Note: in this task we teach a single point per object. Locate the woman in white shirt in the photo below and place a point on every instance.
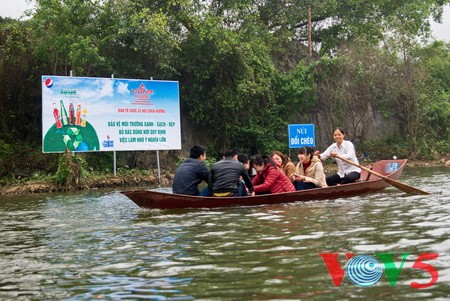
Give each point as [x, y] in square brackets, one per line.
[347, 173]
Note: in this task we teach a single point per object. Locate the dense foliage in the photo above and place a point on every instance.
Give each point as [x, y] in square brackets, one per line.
[243, 67]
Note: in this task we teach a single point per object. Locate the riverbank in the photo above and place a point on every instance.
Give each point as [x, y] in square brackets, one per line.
[107, 181]
[122, 181]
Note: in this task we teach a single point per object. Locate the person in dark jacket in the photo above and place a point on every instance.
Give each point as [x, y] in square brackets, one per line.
[191, 173]
[243, 158]
[225, 176]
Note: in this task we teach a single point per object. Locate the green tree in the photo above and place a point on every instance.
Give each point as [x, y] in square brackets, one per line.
[234, 83]
[387, 92]
[243, 66]
[20, 118]
[435, 113]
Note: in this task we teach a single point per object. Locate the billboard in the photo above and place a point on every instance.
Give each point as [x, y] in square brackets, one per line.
[301, 135]
[107, 114]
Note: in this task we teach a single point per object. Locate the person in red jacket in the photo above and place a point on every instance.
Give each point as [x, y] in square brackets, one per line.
[269, 178]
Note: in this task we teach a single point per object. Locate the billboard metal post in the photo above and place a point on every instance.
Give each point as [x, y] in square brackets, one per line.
[115, 162]
[158, 163]
[159, 169]
[114, 152]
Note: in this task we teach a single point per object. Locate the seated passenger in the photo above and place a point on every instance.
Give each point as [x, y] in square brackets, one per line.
[284, 163]
[191, 173]
[243, 158]
[269, 178]
[309, 172]
[225, 177]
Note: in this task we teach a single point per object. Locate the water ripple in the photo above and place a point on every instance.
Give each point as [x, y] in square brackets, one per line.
[98, 245]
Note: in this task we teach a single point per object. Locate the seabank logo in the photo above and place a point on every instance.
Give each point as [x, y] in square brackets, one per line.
[108, 143]
[366, 270]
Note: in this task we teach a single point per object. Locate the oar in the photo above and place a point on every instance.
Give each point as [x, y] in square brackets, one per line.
[403, 187]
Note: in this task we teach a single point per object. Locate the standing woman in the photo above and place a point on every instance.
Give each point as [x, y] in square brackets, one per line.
[309, 172]
[284, 163]
[347, 173]
[269, 177]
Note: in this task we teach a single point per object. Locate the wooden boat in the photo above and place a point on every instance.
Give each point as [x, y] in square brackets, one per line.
[369, 183]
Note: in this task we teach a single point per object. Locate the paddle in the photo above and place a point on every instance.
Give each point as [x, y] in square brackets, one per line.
[403, 187]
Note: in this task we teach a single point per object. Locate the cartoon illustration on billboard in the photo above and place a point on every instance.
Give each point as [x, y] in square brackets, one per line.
[71, 131]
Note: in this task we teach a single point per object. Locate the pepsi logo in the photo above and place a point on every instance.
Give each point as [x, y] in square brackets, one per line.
[48, 82]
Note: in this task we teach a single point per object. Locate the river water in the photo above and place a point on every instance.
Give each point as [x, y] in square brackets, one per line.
[98, 245]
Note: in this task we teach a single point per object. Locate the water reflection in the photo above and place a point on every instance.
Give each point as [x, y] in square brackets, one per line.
[99, 245]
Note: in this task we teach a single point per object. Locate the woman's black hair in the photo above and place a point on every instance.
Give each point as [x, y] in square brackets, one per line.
[340, 130]
[262, 160]
[243, 158]
[306, 150]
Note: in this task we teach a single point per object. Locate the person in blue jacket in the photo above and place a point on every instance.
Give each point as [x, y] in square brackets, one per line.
[191, 173]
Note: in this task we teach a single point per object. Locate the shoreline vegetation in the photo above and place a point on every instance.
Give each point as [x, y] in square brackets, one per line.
[142, 178]
[244, 72]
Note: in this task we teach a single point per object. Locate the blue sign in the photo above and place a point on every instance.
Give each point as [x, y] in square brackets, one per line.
[391, 167]
[301, 135]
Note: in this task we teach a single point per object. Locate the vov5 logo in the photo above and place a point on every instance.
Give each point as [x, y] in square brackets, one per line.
[366, 270]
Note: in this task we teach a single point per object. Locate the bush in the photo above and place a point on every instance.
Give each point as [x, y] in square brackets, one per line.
[22, 161]
[71, 169]
[383, 148]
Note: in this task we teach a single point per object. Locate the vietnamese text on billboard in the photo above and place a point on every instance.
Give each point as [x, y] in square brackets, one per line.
[107, 114]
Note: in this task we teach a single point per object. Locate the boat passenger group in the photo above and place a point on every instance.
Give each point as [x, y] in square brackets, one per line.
[236, 175]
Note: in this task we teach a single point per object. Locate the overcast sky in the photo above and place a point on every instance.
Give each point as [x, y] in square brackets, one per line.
[15, 8]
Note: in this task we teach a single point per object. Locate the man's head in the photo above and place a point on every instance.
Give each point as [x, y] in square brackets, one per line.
[197, 152]
[243, 158]
[231, 153]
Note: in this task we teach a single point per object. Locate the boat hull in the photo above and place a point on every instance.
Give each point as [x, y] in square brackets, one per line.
[368, 184]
